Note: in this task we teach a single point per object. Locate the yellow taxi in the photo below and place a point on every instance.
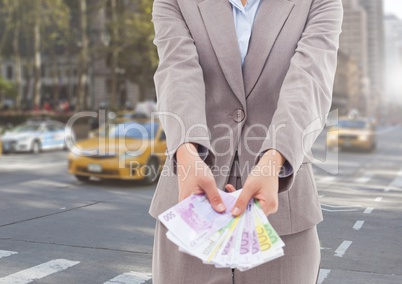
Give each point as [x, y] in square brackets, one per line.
[357, 133]
[129, 150]
[120, 117]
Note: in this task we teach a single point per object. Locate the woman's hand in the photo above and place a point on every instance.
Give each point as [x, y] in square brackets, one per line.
[262, 184]
[195, 177]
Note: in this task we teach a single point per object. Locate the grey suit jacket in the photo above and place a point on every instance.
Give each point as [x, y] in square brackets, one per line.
[281, 93]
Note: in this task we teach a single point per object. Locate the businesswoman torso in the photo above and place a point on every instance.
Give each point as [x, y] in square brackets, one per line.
[275, 98]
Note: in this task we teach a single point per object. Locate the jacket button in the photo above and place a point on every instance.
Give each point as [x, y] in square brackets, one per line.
[238, 115]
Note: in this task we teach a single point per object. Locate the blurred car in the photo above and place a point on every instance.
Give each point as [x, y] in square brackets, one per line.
[130, 150]
[35, 136]
[122, 116]
[131, 115]
[353, 134]
[4, 129]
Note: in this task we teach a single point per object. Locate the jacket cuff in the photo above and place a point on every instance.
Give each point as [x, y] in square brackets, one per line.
[286, 169]
[206, 155]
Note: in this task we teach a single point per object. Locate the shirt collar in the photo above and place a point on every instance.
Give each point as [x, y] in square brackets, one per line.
[239, 5]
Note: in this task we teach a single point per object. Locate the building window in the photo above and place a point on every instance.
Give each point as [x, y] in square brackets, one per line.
[10, 72]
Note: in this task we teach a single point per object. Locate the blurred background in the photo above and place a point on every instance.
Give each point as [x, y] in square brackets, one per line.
[61, 57]
[369, 70]
[71, 55]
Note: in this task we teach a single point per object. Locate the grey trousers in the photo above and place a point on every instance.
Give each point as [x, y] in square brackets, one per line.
[299, 265]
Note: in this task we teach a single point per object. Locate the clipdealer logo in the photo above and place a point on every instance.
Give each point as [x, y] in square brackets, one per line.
[327, 161]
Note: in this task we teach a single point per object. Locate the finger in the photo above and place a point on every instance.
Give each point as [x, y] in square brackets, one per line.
[210, 188]
[230, 188]
[241, 203]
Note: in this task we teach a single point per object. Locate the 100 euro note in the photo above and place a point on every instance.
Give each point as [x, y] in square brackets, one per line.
[240, 247]
[217, 244]
[250, 248]
[223, 253]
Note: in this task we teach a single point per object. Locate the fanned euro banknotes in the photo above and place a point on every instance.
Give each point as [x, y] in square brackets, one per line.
[220, 239]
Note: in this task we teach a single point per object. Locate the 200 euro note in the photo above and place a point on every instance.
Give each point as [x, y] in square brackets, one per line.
[269, 250]
[276, 241]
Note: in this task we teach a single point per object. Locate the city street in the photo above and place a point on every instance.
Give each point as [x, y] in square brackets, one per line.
[54, 229]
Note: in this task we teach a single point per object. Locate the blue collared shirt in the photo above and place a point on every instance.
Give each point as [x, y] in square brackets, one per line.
[244, 17]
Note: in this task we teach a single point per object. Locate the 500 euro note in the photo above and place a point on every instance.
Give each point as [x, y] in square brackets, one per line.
[193, 220]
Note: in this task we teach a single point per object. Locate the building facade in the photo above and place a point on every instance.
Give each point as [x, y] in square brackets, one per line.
[393, 59]
[351, 89]
[362, 40]
[375, 47]
[348, 86]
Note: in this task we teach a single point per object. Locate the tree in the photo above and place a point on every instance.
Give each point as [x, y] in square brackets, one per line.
[7, 90]
[139, 56]
[31, 30]
[13, 20]
[132, 48]
[84, 59]
[37, 54]
[115, 50]
[43, 22]
[17, 54]
[51, 16]
[56, 35]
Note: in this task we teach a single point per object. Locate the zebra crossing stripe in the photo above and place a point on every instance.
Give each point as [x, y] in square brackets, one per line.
[340, 251]
[5, 253]
[130, 278]
[358, 225]
[38, 272]
[323, 275]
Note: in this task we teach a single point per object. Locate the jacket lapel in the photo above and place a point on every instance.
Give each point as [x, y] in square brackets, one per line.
[271, 17]
[218, 20]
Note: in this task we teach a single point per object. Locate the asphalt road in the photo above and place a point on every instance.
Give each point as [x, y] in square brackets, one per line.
[360, 235]
[54, 229]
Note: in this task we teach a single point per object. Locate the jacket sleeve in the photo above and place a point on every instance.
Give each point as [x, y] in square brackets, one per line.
[306, 93]
[179, 82]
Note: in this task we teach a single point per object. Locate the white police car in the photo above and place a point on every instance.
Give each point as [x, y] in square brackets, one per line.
[35, 136]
